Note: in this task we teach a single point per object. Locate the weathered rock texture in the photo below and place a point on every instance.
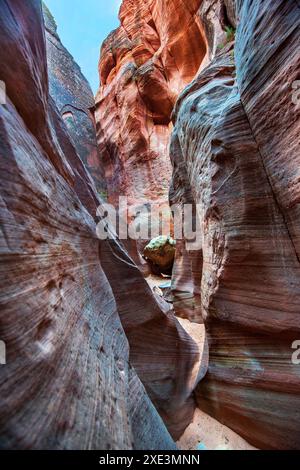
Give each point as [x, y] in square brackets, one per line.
[68, 382]
[160, 253]
[216, 17]
[75, 101]
[87, 341]
[144, 65]
[235, 146]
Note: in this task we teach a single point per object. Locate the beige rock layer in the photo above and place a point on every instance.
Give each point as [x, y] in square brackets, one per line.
[205, 433]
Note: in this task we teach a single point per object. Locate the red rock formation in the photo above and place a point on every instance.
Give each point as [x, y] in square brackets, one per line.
[235, 145]
[84, 332]
[68, 382]
[144, 65]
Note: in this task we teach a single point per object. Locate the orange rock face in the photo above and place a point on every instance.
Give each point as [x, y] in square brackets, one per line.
[144, 65]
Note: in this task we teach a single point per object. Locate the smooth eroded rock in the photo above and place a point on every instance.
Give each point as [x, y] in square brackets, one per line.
[235, 139]
[69, 381]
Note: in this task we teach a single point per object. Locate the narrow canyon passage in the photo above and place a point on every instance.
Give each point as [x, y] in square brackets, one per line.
[155, 343]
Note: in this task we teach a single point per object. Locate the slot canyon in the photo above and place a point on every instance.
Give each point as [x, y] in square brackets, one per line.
[197, 105]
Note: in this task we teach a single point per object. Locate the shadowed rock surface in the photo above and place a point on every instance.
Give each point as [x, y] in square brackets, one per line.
[75, 101]
[234, 153]
[69, 381]
[235, 145]
[95, 359]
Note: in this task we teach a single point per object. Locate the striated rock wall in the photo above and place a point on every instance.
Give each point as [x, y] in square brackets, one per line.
[144, 64]
[71, 381]
[90, 349]
[235, 146]
[74, 99]
[217, 18]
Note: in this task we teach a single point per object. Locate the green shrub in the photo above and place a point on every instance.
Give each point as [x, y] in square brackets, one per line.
[103, 194]
[230, 33]
[230, 36]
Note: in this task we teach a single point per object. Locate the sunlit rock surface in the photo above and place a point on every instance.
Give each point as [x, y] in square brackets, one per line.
[236, 146]
[144, 64]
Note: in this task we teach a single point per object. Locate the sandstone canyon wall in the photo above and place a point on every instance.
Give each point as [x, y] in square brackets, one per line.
[235, 154]
[95, 359]
[218, 19]
[76, 337]
[144, 65]
[75, 101]
[235, 145]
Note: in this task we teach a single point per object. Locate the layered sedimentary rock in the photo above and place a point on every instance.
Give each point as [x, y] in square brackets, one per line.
[235, 145]
[144, 65]
[74, 99]
[218, 19]
[66, 298]
[167, 359]
[88, 343]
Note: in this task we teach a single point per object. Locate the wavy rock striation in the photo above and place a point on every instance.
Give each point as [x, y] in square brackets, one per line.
[92, 353]
[71, 381]
[218, 20]
[236, 149]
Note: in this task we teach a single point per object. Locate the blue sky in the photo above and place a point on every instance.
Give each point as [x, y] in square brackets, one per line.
[82, 27]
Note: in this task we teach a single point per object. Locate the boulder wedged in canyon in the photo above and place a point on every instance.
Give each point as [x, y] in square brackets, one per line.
[144, 65]
[235, 144]
[160, 253]
[65, 298]
[74, 99]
